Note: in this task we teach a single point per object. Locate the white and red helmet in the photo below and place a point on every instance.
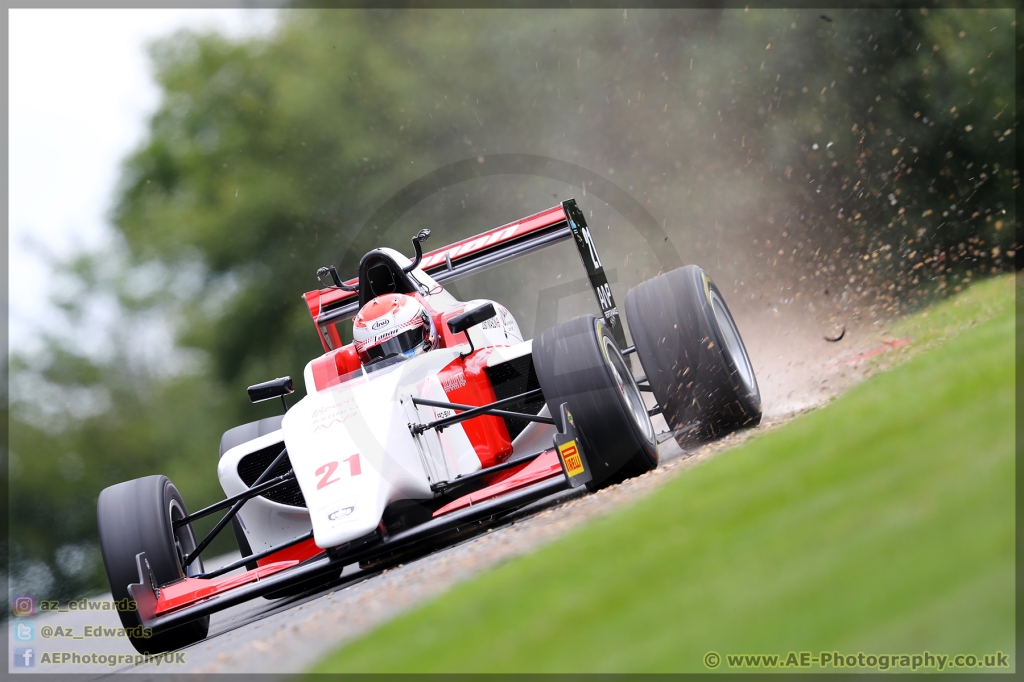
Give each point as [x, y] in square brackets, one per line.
[393, 324]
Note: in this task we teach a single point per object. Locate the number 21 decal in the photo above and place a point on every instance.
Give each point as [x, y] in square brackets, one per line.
[327, 470]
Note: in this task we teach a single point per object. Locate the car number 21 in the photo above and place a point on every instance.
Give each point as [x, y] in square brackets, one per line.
[326, 472]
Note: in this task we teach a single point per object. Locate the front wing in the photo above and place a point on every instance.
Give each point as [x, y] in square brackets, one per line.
[163, 607]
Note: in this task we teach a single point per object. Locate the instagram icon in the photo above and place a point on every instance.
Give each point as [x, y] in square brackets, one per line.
[24, 605]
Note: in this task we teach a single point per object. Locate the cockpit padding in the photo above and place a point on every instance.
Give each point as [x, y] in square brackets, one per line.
[379, 274]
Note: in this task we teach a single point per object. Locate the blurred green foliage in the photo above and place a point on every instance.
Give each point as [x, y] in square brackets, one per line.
[862, 160]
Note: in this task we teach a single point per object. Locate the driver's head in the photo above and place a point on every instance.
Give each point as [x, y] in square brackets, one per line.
[390, 325]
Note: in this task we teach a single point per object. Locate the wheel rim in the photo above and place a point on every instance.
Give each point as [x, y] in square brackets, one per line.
[629, 392]
[732, 341]
[184, 540]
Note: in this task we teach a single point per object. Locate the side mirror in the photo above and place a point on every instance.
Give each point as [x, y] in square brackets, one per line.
[268, 390]
[421, 236]
[471, 318]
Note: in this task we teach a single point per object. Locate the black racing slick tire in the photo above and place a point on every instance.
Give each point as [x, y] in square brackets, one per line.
[692, 354]
[137, 516]
[579, 363]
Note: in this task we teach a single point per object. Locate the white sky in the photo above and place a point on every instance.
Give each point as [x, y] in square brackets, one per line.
[80, 93]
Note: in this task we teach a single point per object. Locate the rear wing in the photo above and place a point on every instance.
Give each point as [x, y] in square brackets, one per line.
[475, 254]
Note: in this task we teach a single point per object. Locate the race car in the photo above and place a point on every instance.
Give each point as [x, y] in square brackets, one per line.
[430, 418]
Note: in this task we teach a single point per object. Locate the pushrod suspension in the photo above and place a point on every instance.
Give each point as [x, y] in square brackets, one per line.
[246, 494]
[643, 384]
[232, 512]
[471, 411]
[254, 557]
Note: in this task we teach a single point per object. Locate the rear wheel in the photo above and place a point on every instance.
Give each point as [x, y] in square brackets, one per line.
[692, 353]
[138, 516]
[579, 363]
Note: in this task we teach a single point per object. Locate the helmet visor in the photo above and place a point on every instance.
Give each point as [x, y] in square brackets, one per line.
[398, 344]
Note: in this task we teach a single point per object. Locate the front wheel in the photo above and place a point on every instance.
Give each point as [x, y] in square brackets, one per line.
[579, 363]
[138, 516]
[692, 354]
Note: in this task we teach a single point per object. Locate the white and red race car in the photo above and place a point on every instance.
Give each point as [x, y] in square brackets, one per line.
[436, 418]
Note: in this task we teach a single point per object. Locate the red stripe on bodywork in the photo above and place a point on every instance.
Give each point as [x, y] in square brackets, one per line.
[484, 240]
[191, 590]
[464, 381]
[545, 466]
[306, 549]
[329, 368]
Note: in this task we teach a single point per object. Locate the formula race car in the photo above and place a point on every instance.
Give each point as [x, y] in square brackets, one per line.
[436, 417]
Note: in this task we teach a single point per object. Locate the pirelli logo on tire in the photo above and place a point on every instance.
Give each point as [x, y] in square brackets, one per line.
[571, 460]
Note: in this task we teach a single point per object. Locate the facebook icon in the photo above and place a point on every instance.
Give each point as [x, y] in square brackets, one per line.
[24, 657]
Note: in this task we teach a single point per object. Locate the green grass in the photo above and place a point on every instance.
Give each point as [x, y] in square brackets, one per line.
[882, 523]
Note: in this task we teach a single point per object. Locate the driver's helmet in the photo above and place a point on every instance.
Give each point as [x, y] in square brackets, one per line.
[393, 324]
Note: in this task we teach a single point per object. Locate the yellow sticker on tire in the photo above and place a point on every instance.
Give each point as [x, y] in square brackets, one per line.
[571, 458]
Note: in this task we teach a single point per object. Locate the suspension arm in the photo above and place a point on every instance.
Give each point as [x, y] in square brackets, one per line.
[471, 411]
[447, 486]
[254, 557]
[248, 494]
[232, 512]
[643, 384]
